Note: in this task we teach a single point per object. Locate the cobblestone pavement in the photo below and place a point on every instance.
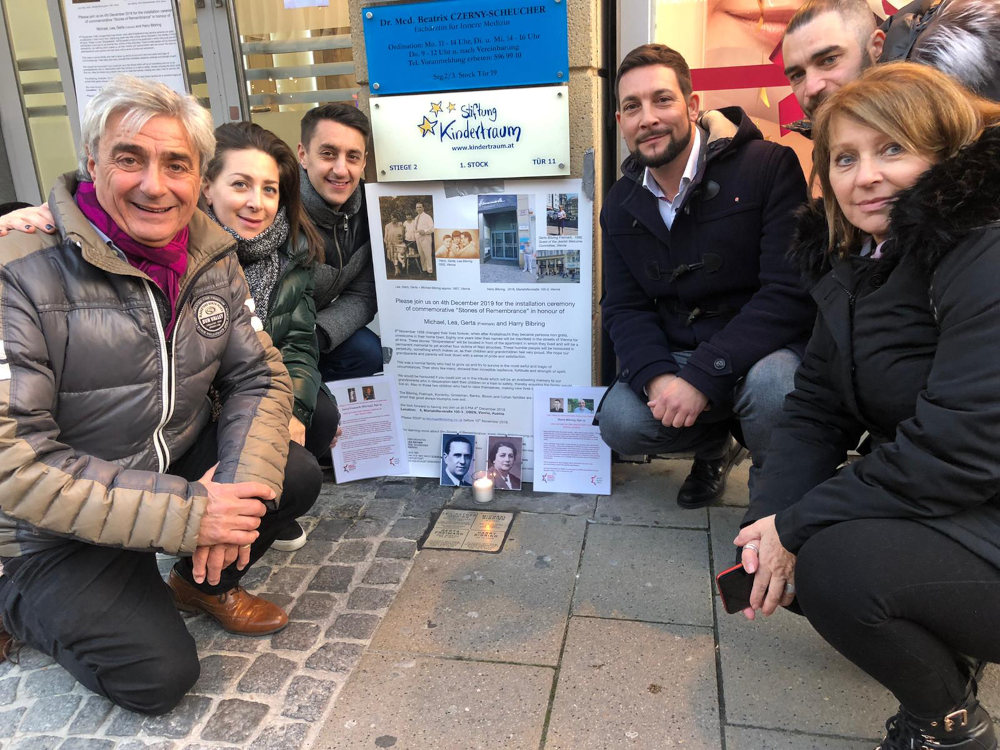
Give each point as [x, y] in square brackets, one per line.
[266, 693]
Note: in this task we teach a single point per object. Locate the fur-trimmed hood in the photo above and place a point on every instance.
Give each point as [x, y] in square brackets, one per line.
[950, 200]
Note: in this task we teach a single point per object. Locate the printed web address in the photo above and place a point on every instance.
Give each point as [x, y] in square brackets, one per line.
[483, 146]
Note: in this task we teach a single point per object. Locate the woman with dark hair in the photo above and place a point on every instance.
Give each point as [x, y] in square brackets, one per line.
[501, 459]
[251, 189]
[895, 558]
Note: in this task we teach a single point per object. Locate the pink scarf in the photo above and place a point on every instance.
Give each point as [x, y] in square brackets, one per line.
[164, 265]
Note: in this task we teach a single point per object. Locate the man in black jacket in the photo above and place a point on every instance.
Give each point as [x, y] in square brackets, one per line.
[332, 155]
[699, 301]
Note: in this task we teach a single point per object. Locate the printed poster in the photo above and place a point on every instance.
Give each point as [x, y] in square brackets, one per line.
[482, 297]
[109, 37]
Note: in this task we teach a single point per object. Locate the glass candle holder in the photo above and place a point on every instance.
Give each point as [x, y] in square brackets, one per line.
[482, 487]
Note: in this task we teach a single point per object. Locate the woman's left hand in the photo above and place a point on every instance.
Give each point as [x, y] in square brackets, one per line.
[27, 220]
[336, 437]
[774, 574]
[297, 431]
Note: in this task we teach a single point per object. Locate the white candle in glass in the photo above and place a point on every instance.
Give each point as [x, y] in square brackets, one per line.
[482, 490]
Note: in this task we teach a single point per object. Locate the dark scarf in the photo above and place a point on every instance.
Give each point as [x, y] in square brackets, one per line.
[164, 265]
[259, 258]
[319, 210]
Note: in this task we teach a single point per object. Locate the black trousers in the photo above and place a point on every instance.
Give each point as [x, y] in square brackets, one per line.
[106, 615]
[326, 419]
[905, 603]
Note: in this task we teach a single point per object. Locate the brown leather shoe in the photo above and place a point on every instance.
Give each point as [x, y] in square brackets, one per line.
[236, 610]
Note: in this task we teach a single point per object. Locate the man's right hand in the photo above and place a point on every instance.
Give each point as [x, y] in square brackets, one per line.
[673, 401]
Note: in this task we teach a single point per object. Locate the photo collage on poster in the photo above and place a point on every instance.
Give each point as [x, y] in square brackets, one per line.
[514, 239]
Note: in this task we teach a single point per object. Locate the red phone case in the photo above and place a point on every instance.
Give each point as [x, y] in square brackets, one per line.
[735, 585]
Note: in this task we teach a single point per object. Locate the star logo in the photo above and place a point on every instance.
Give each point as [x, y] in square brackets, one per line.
[427, 126]
[451, 106]
[435, 107]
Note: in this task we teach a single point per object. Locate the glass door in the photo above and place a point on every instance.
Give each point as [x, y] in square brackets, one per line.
[293, 59]
[244, 59]
[38, 129]
[505, 244]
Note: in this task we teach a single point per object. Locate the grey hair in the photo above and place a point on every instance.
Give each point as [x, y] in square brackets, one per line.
[961, 40]
[141, 100]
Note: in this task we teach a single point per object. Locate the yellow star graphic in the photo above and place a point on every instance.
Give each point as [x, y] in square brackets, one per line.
[451, 106]
[426, 126]
[435, 106]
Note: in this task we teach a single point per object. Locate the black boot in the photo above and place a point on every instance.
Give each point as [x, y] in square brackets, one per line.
[706, 481]
[968, 727]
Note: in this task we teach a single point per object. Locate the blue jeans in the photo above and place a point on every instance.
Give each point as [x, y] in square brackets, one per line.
[628, 426]
[358, 356]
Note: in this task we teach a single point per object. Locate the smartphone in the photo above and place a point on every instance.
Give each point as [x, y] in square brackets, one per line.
[734, 588]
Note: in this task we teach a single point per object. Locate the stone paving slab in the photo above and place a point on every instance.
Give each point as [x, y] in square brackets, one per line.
[641, 573]
[510, 606]
[418, 703]
[738, 738]
[266, 693]
[778, 672]
[646, 494]
[635, 684]
[724, 527]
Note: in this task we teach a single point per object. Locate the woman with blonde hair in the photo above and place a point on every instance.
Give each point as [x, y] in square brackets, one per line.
[895, 558]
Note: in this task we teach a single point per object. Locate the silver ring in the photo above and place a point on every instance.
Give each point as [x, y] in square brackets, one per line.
[752, 546]
[789, 588]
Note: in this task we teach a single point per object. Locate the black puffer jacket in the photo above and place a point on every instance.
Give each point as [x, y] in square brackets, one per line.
[906, 348]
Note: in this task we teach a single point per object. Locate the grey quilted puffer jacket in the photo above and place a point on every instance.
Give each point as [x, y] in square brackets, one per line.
[95, 402]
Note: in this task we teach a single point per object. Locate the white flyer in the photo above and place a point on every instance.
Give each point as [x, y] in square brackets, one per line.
[139, 37]
[372, 444]
[569, 453]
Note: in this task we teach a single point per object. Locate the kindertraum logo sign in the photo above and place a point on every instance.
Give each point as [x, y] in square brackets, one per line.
[469, 134]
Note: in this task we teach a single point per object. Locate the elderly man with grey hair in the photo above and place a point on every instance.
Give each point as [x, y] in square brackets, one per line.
[114, 331]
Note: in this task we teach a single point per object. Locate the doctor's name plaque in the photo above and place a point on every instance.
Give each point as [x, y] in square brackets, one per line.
[447, 45]
[462, 135]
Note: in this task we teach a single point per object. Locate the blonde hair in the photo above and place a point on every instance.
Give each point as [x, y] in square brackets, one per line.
[926, 111]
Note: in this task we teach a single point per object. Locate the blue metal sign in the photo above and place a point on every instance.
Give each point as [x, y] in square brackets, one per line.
[452, 45]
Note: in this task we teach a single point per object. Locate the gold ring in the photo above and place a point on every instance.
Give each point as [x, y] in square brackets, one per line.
[245, 546]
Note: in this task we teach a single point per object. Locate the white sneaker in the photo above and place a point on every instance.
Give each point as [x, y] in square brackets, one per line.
[290, 538]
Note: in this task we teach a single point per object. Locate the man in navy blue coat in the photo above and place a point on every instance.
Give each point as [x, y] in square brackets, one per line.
[707, 316]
